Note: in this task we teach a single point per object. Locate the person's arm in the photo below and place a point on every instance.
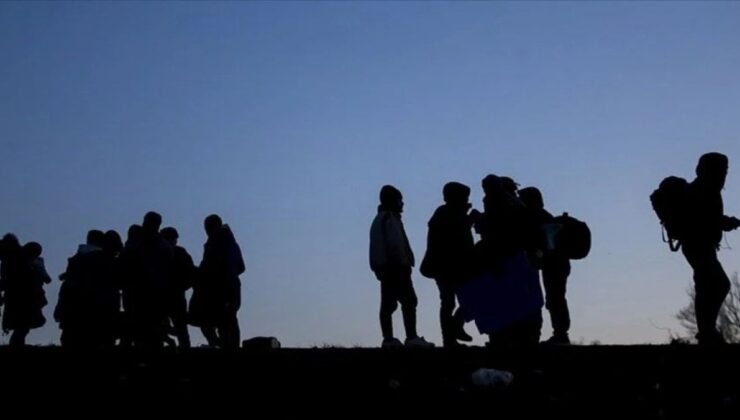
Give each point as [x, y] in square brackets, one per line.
[730, 223]
[394, 245]
[397, 256]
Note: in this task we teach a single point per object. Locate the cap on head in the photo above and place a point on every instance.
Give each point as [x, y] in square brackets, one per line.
[509, 185]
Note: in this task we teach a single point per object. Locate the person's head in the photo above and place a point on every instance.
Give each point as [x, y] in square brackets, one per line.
[32, 249]
[456, 194]
[212, 224]
[134, 233]
[9, 242]
[532, 198]
[170, 235]
[509, 185]
[491, 184]
[152, 222]
[712, 170]
[391, 199]
[113, 242]
[96, 238]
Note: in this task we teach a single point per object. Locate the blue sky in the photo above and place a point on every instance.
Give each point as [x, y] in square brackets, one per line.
[287, 117]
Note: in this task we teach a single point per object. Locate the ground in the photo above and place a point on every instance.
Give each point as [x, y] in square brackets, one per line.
[670, 381]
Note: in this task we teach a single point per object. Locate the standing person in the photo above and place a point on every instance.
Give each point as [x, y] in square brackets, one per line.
[22, 277]
[555, 267]
[705, 224]
[449, 257]
[506, 232]
[391, 259]
[184, 272]
[219, 285]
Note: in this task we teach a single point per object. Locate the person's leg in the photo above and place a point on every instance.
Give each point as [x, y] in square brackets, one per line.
[179, 320]
[446, 308]
[388, 305]
[18, 338]
[209, 332]
[711, 286]
[407, 298]
[555, 281]
[229, 331]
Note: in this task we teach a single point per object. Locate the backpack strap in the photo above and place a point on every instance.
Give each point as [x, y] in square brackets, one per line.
[673, 244]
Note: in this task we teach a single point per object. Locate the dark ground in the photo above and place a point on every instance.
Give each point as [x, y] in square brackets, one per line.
[672, 381]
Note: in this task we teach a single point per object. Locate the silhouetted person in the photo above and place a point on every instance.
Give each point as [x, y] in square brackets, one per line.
[129, 269]
[705, 223]
[391, 259]
[152, 263]
[10, 266]
[87, 307]
[184, 274]
[3, 248]
[111, 287]
[22, 277]
[555, 267]
[113, 243]
[217, 293]
[449, 257]
[506, 229]
[33, 251]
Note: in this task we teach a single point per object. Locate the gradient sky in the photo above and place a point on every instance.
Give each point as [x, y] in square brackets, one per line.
[286, 118]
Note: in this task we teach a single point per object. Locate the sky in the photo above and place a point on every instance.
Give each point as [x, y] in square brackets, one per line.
[286, 118]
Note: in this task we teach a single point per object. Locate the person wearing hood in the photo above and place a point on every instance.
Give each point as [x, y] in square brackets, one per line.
[78, 307]
[449, 257]
[392, 260]
[705, 224]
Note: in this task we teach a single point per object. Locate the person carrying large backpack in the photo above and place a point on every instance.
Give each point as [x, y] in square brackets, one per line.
[697, 223]
[555, 267]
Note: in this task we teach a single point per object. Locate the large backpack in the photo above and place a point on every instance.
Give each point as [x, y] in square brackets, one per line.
[669, 203]
[574, 237]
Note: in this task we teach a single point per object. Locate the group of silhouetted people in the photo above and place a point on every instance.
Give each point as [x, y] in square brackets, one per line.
[513, 222]
[129, 294]
[134, 293]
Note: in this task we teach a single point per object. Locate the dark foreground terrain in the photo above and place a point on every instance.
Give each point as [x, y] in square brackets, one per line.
[675, 381]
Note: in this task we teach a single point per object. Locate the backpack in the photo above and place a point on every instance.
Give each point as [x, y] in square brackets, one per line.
[428, 268]
[669, 203]
[574, 237]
